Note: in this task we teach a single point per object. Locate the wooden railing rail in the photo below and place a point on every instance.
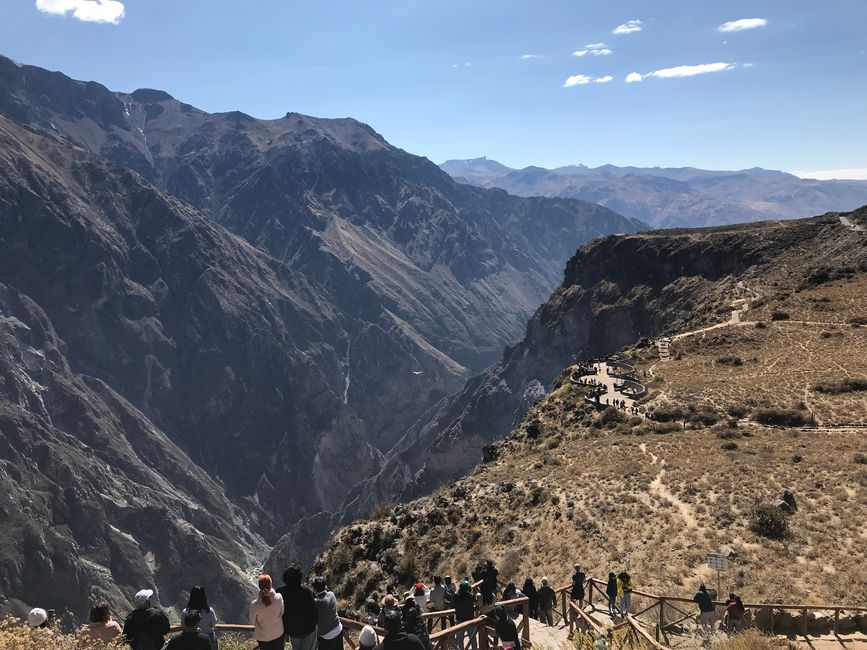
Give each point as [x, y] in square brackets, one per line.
[643, 635]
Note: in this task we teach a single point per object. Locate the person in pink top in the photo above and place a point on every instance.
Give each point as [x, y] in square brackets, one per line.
[266, 616]
[101, 626]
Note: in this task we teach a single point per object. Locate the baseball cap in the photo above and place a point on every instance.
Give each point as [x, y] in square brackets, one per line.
[368, 637]
[142, 597]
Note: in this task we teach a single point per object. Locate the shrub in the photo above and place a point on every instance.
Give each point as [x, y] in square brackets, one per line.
[382, 509]
[760, 325]
[779, 315]
[782, 417]
[726, 433]
[729, 446]
[729, 360]
[610, 417]
[769, 521]
[738, 410]
[752, 640]
[860, 458]
[667, 427]
[847, 385]
[858, 321]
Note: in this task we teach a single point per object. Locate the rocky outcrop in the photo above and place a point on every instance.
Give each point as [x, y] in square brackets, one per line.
[615, 290]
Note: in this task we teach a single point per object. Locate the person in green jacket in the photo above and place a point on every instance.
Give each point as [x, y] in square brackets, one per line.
[547, 598]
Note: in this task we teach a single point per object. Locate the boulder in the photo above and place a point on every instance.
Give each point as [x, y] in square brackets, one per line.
[786, 502]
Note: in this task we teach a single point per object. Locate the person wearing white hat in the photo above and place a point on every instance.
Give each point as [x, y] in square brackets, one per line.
[37, 617]
[367, 640]
[146, 626]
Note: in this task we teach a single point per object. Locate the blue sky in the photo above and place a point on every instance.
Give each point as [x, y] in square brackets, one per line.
[446, 78]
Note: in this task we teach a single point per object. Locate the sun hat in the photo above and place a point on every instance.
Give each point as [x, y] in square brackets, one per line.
[37, 617]
[142, 597]
[544, 581]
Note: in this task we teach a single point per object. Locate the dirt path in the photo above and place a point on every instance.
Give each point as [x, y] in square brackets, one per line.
[658, 488]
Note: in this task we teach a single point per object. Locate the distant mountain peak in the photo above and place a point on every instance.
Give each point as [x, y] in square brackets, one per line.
[150, 95]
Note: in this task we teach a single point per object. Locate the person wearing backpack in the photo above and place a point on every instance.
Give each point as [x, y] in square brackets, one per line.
[146, 626]
[624, 591]
[465, 610]
[547, 600]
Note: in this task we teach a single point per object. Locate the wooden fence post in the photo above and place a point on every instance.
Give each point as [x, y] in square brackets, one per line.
[661, 613]
[772, 620]
[526, 624]
[804, 621]
[836, 621]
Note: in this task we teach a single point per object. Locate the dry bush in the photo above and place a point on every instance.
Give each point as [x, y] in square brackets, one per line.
[753, 640]
[769, 521]
[779, 315]
[848, 385]
[780, 417]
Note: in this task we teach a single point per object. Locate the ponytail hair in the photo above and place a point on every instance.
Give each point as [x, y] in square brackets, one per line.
[265, 589]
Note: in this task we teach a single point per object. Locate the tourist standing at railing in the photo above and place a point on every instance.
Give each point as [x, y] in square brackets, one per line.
[396, 637]
[489, 583]
[624, 592]
[146, 625]
[735, 614]
[389, 603]
[532, 595]
[190, 638]
[706, 615]
[198, 601]
[449, 587]
[547, 600]
[414, 623]
[329, 628]
[300, 616]
[101, 627]
[266, 616]
[437, 601]
[511, 592]
[611, 591]
[577, 593]
[465, 610]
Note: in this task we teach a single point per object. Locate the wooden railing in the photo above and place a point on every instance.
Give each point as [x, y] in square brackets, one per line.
[660, 607]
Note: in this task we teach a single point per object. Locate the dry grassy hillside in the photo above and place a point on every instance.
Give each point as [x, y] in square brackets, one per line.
[614, 491]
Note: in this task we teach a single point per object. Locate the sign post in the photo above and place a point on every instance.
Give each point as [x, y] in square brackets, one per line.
[719, 562]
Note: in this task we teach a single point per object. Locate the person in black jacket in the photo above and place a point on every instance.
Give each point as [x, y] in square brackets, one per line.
[507, 631]
[611, 592]
[529, 590]
[465, 610]
[190, 638]
[146, 627]
[578, 577]
[300, 617]
[396, 638]
[489, 582]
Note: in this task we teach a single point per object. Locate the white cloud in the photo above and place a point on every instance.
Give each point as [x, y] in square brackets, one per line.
[629, 27]
[742, 24]
[577, 80]
[92, 11]
[632, 77]
[596, 49]
[603, 80]
[690, 70]
[462, 65]
[530, 56]
[855, 174]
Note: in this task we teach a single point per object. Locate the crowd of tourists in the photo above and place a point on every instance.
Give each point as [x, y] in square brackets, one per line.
[306, 616]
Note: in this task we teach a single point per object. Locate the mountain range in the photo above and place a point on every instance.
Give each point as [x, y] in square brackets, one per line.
[214, 328]
[672, 197]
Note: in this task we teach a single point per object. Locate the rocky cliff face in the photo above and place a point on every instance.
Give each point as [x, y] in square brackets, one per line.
[252, 312]
[615, 290]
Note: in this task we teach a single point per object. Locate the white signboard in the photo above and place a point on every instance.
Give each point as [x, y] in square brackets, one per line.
[717, 561]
